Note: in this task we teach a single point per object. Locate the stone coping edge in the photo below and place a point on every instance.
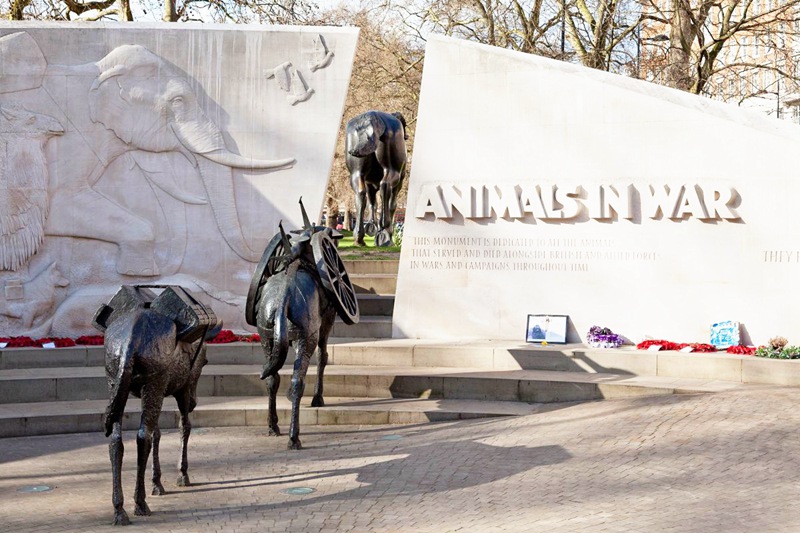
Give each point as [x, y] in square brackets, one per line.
[498, 355]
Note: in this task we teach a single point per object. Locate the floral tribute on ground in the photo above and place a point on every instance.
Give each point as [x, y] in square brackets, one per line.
[778, 348]
[669, 345]
[27, 342]
[224, 336]
[696, 347]
[600, 337]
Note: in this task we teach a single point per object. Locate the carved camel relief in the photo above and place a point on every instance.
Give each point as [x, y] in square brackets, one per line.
[24, 202]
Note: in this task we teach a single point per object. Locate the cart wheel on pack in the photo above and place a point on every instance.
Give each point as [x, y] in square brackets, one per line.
[267, 267]
[370, 228]
[384, 238]
[334, 277]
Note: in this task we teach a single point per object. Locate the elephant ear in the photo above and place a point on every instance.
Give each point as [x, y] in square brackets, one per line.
[123, 97]
[125, 111]
[106, 103]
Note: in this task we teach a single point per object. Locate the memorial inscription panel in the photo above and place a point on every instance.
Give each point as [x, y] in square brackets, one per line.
[543, 187]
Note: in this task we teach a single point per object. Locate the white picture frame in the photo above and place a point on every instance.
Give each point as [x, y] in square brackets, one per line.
[549, 329]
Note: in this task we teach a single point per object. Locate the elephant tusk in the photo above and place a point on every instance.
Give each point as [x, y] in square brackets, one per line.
[237, 161]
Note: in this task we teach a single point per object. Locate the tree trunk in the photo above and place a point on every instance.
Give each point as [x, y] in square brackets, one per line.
[170, 11]
[679, 69]
[17, 7]
[332, 210]
[125, 14]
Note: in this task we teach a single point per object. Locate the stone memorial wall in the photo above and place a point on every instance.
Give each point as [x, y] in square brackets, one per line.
[157, 154]
[547, 188]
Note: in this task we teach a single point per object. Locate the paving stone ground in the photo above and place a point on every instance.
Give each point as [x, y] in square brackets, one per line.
[725, 462]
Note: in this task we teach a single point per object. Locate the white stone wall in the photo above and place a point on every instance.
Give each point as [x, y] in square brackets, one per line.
[547, 137]
[155, 153]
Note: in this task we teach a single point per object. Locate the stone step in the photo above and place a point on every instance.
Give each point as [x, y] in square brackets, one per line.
[384, 284]
[375, 304]
[506, 355]
[46, 418]
[373, 327]
[371, 267]
[89, 383]
[233, 353]
[496, 355]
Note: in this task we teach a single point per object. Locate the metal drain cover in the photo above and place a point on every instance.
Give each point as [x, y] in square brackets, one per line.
[35, 488]
[299, 491]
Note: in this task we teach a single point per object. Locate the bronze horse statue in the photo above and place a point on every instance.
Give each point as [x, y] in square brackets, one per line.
[376, 159]
[296, 292]
[154, 348]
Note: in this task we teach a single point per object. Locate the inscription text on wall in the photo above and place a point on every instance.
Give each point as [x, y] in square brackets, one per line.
[553, 203]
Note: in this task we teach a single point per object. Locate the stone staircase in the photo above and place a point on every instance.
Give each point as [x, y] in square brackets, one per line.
[375, 283]
[373, 379]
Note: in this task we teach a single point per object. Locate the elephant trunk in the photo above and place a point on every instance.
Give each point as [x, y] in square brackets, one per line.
[202, 138]
[218, 181]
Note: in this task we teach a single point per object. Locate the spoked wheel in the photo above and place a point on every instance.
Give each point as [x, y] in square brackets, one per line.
[370, 228]
[334, 277]
[267, 267]
[384, 238]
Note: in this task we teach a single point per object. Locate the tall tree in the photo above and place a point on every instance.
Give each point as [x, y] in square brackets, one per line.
[598, 30]
[710, 37]
[596, 33]
[387, 72]
[237, 11]
[532, 26]
[17, 9]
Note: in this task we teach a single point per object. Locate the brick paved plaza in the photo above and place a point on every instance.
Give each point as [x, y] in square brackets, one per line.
[720, 462]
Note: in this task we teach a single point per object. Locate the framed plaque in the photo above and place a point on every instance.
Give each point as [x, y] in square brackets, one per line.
[546, 329]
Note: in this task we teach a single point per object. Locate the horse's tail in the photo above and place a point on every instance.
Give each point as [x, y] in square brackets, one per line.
[123, 353]
[399, 116]
[363, 134]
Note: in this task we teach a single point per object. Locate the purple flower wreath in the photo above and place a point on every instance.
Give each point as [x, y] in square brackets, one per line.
[603, 338]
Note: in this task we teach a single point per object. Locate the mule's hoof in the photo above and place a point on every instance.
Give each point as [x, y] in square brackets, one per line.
[183, 480]
[317, 401]
[295, 444]
[121, 519]
[158, 490]
[274, 431]
[142, 510]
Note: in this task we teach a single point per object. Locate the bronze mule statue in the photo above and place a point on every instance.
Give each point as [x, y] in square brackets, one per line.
[154, 348]
[375, 156]
[297, 290]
